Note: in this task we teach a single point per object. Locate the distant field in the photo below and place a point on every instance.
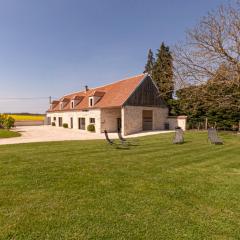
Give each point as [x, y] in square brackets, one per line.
[27, 117]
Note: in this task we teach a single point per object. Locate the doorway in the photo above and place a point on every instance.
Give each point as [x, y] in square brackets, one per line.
[81, 123]
[60, 121]
[147, 120]
[49, 121]
[71, 122]
[119, 124]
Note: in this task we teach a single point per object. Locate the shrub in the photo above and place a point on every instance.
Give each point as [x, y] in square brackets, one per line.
[65, 125]
[53, 124]
[9, 123]
[6, 122]
[91, 128]
[2, 117]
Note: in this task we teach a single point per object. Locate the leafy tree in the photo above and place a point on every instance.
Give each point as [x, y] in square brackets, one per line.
[163, 72]
[222, 99]
[191, 104]
[150, 63]
[208, 61]
[218, 100]
[2, 118]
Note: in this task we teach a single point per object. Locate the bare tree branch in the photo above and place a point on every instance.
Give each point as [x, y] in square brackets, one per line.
[213, 42]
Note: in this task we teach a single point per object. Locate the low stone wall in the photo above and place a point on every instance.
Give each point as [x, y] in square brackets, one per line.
[179, 121]
[28, 123]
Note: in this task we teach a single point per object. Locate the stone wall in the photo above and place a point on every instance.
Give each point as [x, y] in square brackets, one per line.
[109, 119]
[132, 118]
[160, 118]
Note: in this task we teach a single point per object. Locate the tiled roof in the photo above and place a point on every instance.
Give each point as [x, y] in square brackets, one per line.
[77, 97]
[112, 95]
[98, 93]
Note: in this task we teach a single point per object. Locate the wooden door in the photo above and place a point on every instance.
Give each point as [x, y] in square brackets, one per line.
[147, 120]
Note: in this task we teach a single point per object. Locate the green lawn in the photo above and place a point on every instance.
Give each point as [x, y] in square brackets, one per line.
[88, 190]
[8, 134]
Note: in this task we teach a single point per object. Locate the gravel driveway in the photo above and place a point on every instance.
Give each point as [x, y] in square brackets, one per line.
[49, 133]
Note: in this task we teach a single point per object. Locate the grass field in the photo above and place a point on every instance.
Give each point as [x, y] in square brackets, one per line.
[8, 134]
[27, 117]
[88, 190]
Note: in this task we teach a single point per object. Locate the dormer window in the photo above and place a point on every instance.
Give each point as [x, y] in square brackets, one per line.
[95, 98]
[91, 101]
[64, 102]
[75, 101]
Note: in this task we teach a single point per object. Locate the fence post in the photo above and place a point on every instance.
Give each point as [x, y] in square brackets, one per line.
[206, 123]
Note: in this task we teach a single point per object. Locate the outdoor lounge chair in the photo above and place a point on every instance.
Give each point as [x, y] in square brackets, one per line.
[123, 140]
[178, 138]
[213, 137]
[123, 145]
[126, 142]
[111, 142]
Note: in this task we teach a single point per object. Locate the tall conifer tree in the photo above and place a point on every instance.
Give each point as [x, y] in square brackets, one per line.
[150, 63]
[163, 72]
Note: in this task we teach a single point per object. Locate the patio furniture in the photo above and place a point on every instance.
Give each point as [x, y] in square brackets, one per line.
[178, 138]
[110, 141]
[213, 137]
[123, 140]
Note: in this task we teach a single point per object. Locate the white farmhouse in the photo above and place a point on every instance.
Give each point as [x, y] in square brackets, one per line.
[132, 105]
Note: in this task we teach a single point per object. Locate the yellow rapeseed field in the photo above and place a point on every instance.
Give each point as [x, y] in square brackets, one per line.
[27, 117]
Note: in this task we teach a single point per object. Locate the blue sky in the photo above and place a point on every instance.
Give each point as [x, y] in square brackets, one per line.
[53, 47]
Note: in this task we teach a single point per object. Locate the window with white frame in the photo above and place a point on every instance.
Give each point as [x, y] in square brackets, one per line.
[72, 104]
[92, 120]
[91, 101]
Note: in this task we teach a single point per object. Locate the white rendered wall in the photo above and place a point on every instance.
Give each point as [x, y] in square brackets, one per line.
[179, 121]
[66, 116]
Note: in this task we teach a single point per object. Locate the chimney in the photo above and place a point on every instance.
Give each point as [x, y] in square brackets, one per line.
[86, 88]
